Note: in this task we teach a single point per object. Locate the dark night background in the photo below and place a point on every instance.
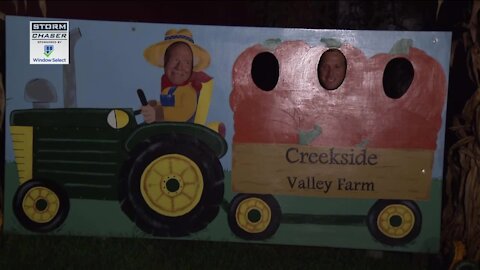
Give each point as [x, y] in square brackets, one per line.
[366, 15]
[452, 16]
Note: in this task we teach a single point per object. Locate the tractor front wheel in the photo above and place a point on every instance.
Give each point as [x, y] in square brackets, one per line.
[40, 206]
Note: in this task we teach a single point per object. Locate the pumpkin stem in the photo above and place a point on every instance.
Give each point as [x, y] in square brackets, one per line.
[331, 43]
[272, 43]
[401, 47]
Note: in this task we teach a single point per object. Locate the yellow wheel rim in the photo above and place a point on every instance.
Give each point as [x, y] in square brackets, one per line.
[172, 185]
[40, 204]
[253, 215]
[396, 221]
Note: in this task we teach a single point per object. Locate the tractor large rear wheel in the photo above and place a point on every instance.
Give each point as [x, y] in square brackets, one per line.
[174, 187]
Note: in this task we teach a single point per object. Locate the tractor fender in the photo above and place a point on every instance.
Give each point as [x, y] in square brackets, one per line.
[204, 134]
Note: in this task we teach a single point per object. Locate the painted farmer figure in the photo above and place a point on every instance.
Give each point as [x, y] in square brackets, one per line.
[182, 80]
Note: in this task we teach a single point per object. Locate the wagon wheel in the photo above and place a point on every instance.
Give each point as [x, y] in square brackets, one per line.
[41, 206]
[174, 188]
[394, 222]
[254, 217]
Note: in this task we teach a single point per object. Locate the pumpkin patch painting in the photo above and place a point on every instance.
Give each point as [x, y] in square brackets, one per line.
[265, 135]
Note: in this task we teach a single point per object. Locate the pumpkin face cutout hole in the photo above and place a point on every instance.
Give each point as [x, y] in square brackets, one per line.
[397, 77]
[331, 69]
[265, 71]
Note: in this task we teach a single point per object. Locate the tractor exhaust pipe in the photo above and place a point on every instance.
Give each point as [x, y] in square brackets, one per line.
[69, 78]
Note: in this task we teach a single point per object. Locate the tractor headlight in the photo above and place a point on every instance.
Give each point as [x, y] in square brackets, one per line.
[117, 119]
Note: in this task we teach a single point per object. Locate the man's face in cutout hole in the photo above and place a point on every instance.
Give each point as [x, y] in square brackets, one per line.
[178, 63]
[332, 69]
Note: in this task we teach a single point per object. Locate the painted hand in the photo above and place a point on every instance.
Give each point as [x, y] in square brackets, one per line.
[148, 113]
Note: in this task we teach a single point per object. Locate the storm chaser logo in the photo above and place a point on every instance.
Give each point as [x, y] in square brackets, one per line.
[47, 50]
[47, 37]
[61, 26]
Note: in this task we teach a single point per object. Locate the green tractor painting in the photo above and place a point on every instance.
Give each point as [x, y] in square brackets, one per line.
[166, 176]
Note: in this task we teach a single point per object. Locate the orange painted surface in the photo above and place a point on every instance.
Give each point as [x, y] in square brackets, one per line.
[358, 112]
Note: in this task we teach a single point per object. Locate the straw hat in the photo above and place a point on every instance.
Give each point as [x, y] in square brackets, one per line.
[155, 53]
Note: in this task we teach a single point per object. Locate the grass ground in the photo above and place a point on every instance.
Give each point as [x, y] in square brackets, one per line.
[73, 252]
[89, 217]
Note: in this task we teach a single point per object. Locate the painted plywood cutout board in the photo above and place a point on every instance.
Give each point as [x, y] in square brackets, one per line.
[254, 142]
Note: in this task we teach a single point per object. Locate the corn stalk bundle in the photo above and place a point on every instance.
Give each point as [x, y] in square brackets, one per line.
[461, 216]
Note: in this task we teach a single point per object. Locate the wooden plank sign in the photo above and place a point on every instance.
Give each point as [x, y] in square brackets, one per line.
[332, 172]
[269, 135]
